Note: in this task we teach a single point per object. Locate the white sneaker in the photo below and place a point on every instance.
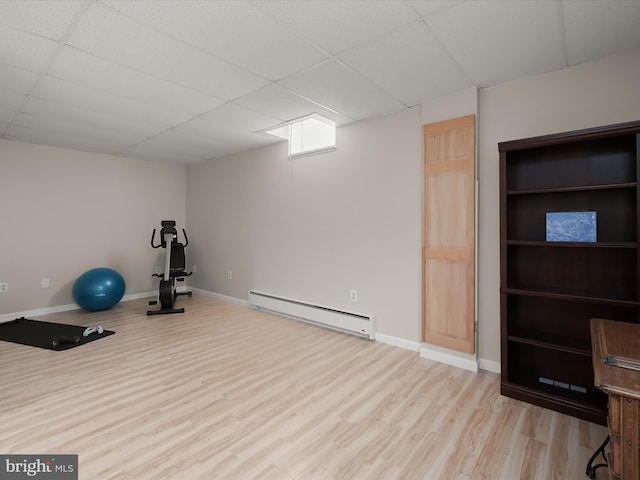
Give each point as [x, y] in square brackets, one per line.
[89, 330]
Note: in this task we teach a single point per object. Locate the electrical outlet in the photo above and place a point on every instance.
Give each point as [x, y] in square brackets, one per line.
[45, 283]
[354, 296]
[229, 275]
[4, 287]
[158, 270]
[195, 269]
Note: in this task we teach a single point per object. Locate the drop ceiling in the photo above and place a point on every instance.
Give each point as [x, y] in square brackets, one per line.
[189, 81]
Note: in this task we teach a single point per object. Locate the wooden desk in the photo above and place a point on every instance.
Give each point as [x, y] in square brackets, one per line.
[616, 367]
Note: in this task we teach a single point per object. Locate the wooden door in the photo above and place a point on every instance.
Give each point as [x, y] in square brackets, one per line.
[448, 233]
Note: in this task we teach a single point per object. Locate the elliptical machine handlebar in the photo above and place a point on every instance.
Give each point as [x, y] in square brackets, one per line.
[163, 242]
[153, 236]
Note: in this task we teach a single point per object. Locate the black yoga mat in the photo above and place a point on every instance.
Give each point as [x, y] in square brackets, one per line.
[40, 334]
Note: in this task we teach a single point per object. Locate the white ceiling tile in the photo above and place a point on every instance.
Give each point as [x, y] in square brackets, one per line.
[497, 41]
[235, 119]
[89, 118]
[181, 145]
[234, 31]
[113, 37]
[596, 29]
[74, 95]
[414, 51]
[430, 7]
[48, 18]
[158, 153]
[11, 101]
[49, 135]
[75, 128]
[6, 117]
[197, 127]
[196, 145]
[185, 80]
[25, 50]
[277, 101]
[222, 143]
[107, 77]
[229, 128]
[16, 80]
[339, 26]
[337, 88]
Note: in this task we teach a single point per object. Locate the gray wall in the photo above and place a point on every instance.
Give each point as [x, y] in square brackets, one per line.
[312, 229]
[64, 212]
[318, 226]
[587, 95]
[352, 219]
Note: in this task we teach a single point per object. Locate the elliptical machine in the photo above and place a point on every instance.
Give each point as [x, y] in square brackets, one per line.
[174, 268]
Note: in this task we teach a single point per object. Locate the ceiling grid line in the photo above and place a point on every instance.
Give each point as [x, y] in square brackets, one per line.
[563, 32]
[186, 81]
[60, 45]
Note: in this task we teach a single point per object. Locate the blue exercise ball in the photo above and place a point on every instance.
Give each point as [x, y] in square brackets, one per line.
[98, 289]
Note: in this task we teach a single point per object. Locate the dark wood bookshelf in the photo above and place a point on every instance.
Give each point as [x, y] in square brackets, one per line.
[554, 342]
[549, 291]
[583, 188]
[573, 244]
[570, 297]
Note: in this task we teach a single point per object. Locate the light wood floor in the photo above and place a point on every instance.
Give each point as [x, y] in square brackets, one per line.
[224, 391]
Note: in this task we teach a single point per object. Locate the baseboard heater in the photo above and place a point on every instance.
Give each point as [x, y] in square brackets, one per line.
[349, 322]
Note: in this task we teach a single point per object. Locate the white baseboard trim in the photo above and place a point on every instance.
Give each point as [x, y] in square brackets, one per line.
[220, 296]
[380, 337]
[136, 296]
[7, 317]
[398, 342]
[449, 359]
[489, 365]
[482, 363]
